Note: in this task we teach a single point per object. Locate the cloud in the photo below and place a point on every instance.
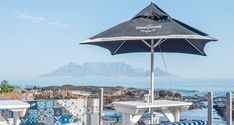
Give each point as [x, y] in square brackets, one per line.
[42, 20]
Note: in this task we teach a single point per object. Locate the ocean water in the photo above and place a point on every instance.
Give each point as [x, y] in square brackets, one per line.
[183, 85]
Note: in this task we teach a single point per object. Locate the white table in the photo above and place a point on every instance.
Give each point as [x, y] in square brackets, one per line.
[133, 110]
[19, 108]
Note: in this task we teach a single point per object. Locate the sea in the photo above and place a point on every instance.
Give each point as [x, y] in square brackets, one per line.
[183, 86]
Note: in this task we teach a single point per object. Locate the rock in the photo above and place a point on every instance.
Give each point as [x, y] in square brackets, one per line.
[111, 94]
[167, 94]
[220, 106]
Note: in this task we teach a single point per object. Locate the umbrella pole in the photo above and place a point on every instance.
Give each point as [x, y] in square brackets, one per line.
[152, 78]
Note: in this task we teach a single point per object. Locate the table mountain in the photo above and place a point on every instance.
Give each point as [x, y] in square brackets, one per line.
[103, 69]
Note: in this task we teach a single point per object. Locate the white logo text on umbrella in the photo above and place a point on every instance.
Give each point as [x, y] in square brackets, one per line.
[148, 28]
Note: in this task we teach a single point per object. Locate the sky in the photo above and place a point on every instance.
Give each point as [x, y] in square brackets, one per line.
[37, 37]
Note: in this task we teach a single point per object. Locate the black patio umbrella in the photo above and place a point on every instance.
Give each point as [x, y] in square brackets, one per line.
[152, 30]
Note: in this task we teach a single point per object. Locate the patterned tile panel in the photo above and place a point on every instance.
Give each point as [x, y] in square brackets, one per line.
[54, 112]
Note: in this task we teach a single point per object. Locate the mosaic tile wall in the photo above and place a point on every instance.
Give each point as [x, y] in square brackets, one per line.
[6, 113]
[55, 112]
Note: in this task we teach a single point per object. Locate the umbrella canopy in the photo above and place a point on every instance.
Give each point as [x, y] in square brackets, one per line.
[135, 35]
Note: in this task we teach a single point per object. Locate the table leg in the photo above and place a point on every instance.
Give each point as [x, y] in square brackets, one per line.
[176, 113]
[168, 114]
[130, 119]
[16, 117]
[126, 119]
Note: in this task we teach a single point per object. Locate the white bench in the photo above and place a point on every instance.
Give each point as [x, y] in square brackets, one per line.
[19, 109]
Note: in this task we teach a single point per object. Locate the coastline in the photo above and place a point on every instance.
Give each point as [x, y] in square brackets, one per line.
[119, 93]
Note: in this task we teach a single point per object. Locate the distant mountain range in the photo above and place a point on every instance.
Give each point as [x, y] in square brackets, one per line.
[103, 69]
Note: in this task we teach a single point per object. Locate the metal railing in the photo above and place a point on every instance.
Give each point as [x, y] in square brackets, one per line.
[228, 108]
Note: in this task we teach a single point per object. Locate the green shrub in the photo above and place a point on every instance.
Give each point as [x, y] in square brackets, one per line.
[5, 87]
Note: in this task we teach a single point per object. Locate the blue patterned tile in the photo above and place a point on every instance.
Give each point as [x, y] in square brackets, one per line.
[49, 104]
[65, 119]
[7, 113]
[24, 120]
[32, 113]
[65, 112]
[57, 123]
[57, 118]
[49, 120]
[57, 111]
[41, 119]
[32, 120]
[41, 105]
[49, 112]
[67, 103]
[41, 112]
[57, 104]
[52, 112]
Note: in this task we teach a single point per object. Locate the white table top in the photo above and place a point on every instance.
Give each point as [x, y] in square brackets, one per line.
[13, 104]
[157, 104]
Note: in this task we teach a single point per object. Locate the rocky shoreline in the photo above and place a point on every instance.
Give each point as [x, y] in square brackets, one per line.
[219, 106]
[111, 94]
